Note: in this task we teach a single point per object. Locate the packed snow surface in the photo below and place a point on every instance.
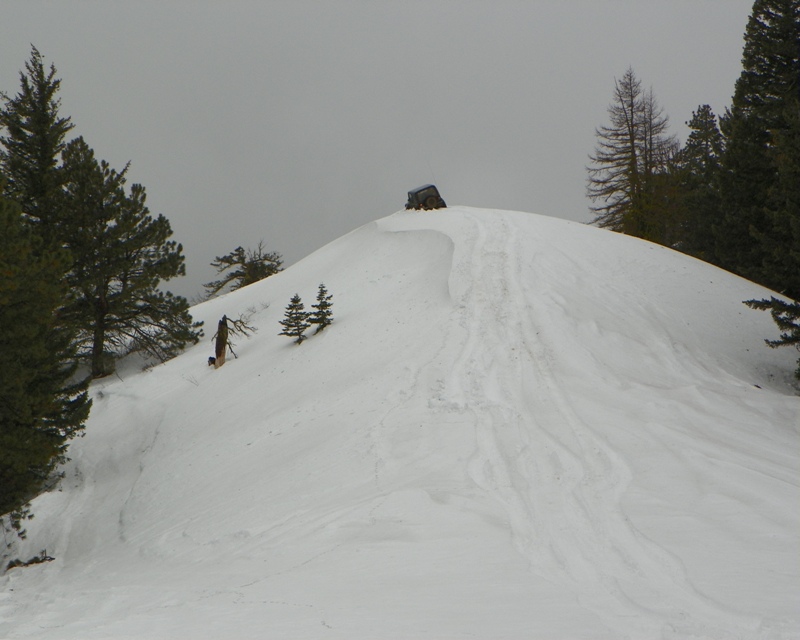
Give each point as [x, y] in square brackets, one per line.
[516, 427]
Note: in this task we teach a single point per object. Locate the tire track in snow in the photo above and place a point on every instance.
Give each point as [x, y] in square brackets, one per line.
[559, 481]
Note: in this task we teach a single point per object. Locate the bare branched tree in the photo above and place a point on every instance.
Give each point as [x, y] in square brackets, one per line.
[631, 159]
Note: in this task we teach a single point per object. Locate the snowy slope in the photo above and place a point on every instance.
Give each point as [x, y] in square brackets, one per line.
[517, 427]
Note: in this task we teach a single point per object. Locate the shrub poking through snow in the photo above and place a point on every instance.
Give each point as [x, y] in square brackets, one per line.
[295, 321]
[322, 315]
[42, 557]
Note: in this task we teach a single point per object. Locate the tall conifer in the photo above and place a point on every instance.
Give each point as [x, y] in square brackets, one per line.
[757, 130]
[295, 321]
[322, 316]
[41, 405]
[121, 254]
[698, 172]
[760, 181]
[31, 145]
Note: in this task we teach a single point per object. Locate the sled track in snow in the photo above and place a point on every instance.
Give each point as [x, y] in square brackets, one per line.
[558, 480]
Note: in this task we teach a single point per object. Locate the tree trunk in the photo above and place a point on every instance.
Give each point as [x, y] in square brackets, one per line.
[221, 344]
[102, 362]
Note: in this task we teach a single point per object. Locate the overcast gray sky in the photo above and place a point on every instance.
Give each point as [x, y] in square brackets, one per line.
[295, 122]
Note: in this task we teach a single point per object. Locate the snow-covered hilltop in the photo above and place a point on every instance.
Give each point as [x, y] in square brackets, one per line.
[517, 427]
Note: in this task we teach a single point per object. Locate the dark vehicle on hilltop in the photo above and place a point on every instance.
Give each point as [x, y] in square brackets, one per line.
[425, 197]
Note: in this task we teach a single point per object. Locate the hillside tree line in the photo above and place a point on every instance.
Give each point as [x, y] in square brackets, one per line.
[731, 194]
[81, 264]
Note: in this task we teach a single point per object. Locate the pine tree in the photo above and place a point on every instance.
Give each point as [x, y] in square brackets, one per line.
[756, 130]
[630, 172]
[31, 147]
[322, 316]
[698, 170]
[782, 259]
[295, 321]
[121, 255]
[787, 316]
[244, 266]
[41, 407]
[780, 240]
[761, 165]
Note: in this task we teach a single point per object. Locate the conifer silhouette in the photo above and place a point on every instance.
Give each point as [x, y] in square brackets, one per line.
[295, 321]
[322, 315]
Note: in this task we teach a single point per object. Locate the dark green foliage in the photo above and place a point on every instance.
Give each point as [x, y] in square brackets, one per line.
[244, 266]
[787, 316]
[41, 405]
[704, 146]
[630, 176]
[780, 238]
[80, 267]
[322, 316]
[770, 69]
[121, 254]
[698, 170]
[782, 241]
[295, 321]
[760, 183]
[32, 144]
[744, 181]
[757, 130]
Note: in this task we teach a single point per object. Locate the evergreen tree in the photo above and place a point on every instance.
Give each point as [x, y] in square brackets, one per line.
[760, 183]
[31, 147]
[41, 406]
[757, 129]
[244, 267]
[630, 172]
[780, 241]
[322, 316]
[787, 316]
[295, 321]
[782, 259]
[698, 170]
[121, 254]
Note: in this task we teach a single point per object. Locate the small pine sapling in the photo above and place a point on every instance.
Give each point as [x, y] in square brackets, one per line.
[322, 315]
[295, 321]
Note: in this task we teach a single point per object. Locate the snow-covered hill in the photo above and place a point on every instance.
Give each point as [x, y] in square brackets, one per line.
[517, 427]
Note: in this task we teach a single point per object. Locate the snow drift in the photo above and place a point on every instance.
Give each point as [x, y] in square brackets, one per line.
[517, 426]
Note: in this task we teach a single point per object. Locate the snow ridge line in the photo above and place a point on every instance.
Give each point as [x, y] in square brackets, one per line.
[559, 482]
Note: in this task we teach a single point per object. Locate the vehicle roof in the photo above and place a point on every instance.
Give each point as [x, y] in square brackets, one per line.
[422, 188]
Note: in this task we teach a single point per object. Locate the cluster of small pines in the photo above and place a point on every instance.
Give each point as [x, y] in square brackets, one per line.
[297, 320]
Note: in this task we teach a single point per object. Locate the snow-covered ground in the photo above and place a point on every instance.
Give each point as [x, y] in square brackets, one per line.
[517, 427]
